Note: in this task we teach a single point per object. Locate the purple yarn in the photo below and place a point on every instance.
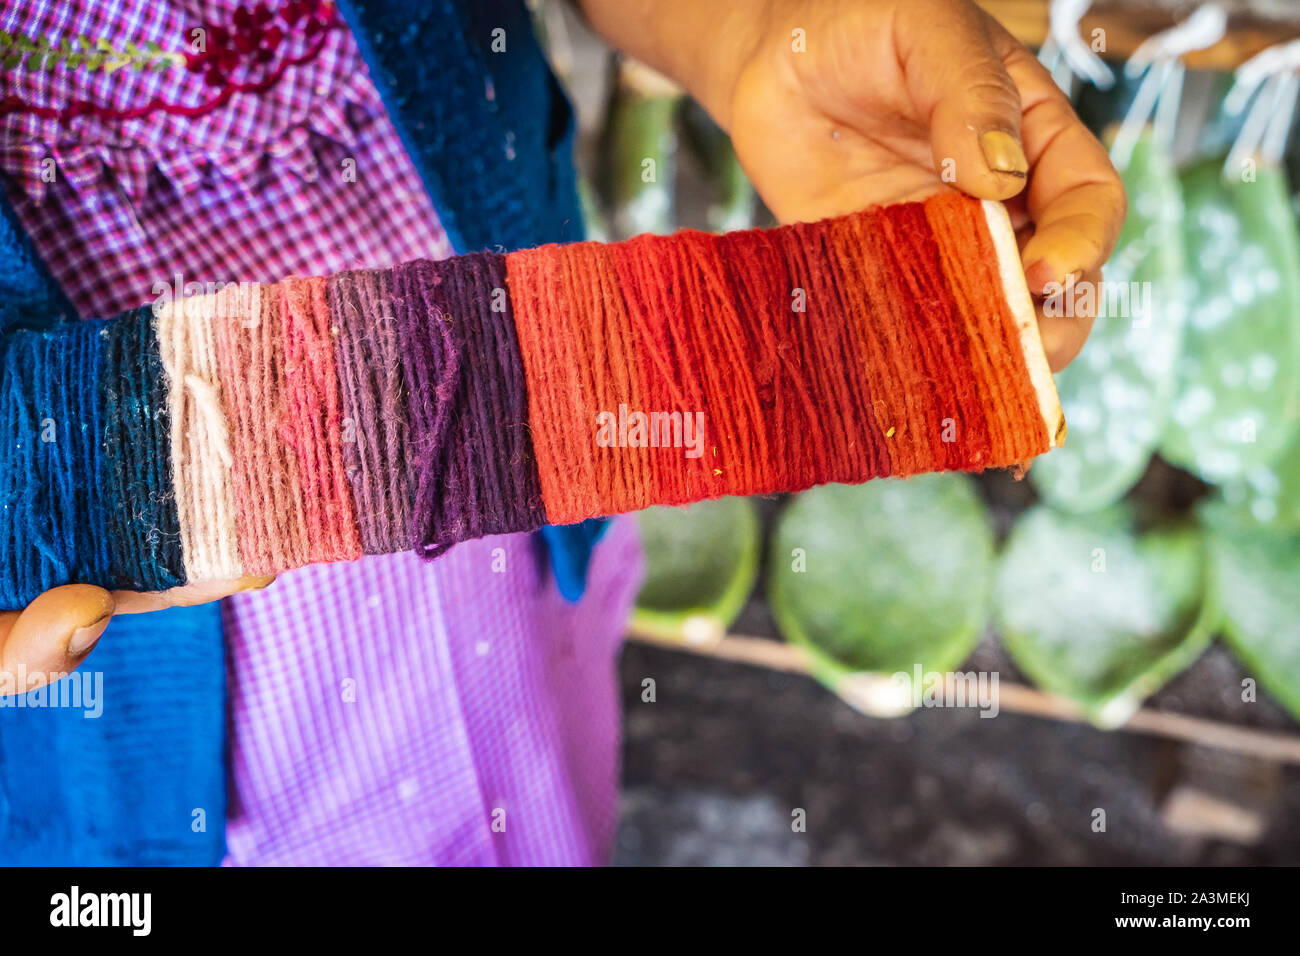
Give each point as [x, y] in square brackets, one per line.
[368, 358]
[474, 469]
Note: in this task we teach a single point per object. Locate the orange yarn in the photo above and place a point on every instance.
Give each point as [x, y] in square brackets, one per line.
[853, 348]
[970, 267]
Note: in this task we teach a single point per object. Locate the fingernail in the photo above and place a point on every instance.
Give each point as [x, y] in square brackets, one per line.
[84, 638]
[255, 582]
[1040, 273]
[1002, 153]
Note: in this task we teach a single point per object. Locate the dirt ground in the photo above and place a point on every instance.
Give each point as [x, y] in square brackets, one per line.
[716, 768]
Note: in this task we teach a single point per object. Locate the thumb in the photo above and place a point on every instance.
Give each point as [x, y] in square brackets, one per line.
[956, 77]
[51, 636]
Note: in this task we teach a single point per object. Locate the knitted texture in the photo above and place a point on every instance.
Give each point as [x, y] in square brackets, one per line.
[29, 296]
[468, 143]
[432, 403]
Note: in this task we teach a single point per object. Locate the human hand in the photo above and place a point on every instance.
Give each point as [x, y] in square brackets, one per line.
[54, 634]
[836, 105]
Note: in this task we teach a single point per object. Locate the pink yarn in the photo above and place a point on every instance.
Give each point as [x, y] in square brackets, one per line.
[310, 422]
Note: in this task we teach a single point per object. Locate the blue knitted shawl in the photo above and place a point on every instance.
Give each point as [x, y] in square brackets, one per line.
[491, 135]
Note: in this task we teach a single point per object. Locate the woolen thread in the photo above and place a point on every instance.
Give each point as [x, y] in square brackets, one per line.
[372, 390]
[270, 522]
[143, 527]
[311, 422]
[202, 458]
[271, 426]
[51, 462]
[486, 477]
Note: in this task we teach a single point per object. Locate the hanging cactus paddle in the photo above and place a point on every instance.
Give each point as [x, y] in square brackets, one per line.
[1097, 613]
[1269, 494]
[1115, 395]
[701, 564]
[1255, 588]
[1237, 398]
[881, 580]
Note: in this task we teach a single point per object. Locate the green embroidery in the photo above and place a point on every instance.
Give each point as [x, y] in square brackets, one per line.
[22, 52]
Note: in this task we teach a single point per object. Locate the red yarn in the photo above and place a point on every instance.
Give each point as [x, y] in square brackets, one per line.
[971, 268]
[870, 345]
[958, 435]
[310, 421]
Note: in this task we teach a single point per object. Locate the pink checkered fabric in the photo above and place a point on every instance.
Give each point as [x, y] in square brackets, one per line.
[388, 710]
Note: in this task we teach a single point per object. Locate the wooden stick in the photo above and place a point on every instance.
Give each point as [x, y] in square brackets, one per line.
[1128, 22]
[1017, 698]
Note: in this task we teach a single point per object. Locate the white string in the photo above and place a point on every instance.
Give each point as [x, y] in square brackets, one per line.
[1269, 78]
[1250, 76]
[1204, 28]
[1267, 125]
[1159, 94]
[1139, 113]
[1063, 31]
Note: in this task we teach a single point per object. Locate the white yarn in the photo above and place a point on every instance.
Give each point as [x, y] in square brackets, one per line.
[200, 438]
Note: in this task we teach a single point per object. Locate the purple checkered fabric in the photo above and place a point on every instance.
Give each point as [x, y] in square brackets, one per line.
[390, 710]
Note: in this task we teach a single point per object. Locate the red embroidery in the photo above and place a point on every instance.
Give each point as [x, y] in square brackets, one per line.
[249, 42]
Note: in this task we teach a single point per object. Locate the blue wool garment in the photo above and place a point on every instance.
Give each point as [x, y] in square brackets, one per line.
[144, 782]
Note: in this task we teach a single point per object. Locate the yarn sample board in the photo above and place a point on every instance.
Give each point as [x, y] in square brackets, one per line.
[267, 426]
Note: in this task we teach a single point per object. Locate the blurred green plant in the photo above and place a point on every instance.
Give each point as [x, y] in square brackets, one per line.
[640, 170]
[1116, 394]
[1097, 612]
[879, 579]
[1238, 384]
[1255, 591]
[733, 200]
[701, 564]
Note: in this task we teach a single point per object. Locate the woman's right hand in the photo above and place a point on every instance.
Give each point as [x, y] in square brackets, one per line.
[57, 631]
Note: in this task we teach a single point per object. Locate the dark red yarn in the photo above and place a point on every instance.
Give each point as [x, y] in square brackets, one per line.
[841, 350]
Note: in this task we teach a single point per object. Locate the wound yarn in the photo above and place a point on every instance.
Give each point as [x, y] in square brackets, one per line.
[311, 421]
[51, 465]
[486, 476]
[970, 266]
[270, 525]
[374, 433]
[842, 350]
[271, 426]
[202, 457]
[431, 345]
[142, 524]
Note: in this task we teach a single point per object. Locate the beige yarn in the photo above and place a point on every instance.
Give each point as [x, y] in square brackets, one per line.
[200, 436]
